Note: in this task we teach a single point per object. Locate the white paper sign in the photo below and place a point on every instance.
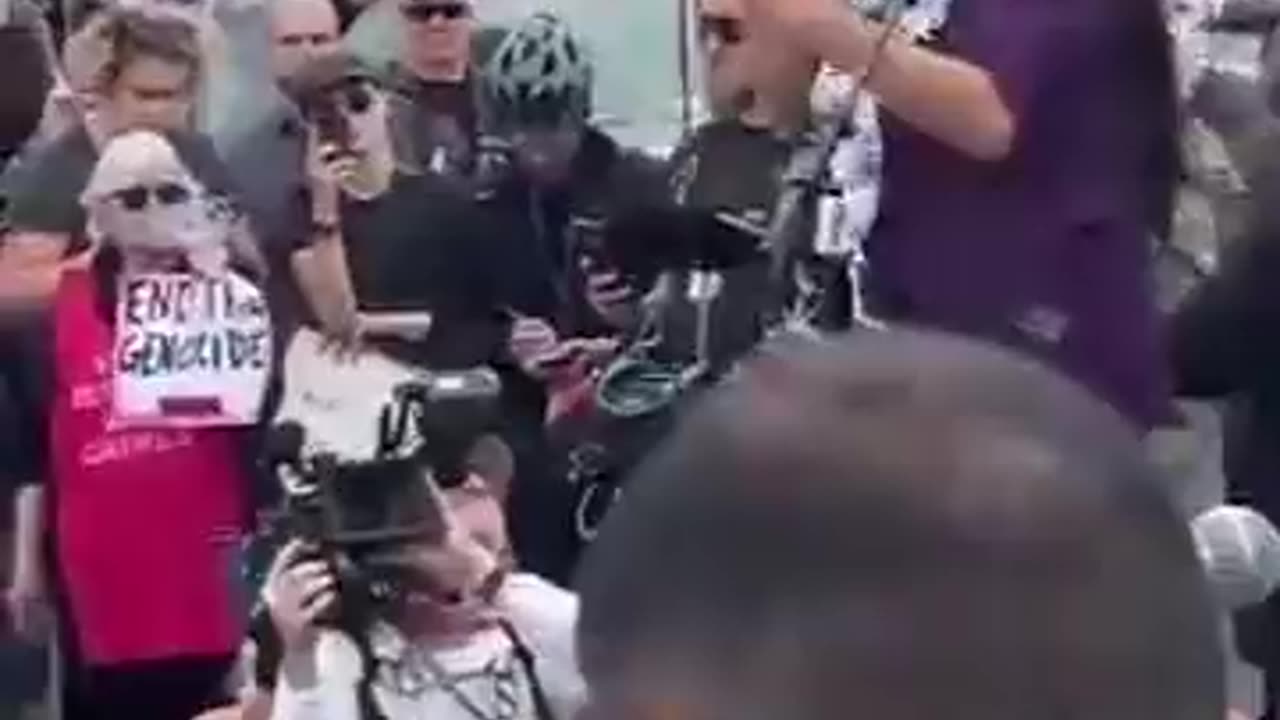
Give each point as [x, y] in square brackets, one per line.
[190, 351]
[338, 402]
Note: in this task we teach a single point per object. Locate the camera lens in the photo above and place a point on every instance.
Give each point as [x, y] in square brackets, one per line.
[358, 98]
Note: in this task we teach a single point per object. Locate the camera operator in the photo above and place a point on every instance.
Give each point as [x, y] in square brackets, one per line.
[470, 640]
[381, 240]
[1030, 154]
[561, 180]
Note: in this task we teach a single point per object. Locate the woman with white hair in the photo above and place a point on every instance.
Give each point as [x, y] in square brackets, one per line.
[147, 513]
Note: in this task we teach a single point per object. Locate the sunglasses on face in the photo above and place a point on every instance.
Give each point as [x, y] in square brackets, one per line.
[425, 13]
[137, 197]
[727, 30]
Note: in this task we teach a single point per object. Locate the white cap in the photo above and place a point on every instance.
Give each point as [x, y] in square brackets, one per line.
[1240, 550]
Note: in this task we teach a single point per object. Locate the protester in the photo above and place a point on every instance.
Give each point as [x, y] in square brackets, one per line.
[1215, 356]
[559, 183]
[731, 166]
[380, 240]
[1030, 154]
[433, 83]
[147, 518]
[905, 526]
[723, 184]
[268, 162]
[471, 640]
[147, 72]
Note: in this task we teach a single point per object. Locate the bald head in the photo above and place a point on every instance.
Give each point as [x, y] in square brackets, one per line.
[905, 527]
[301, 30]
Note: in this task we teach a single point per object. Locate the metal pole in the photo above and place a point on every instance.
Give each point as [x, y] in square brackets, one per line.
[683, 9]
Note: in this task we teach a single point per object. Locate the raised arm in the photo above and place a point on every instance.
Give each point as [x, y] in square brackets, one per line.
[949, 98]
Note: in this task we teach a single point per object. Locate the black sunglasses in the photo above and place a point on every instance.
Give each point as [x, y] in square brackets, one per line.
[727, 30]
[426, 12]
[136, 197]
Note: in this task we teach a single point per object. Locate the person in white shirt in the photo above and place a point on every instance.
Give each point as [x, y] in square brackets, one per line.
[472, 640]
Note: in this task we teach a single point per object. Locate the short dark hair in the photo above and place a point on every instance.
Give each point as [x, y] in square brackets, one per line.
[900, 526]
[131, 34]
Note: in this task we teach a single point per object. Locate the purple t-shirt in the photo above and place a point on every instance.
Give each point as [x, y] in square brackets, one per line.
[1047, 250]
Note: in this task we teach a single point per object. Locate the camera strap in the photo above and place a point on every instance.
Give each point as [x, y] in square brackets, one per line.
[541, 706]
[443, 680]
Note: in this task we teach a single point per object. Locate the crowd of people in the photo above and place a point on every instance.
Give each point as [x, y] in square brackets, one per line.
[838, 408]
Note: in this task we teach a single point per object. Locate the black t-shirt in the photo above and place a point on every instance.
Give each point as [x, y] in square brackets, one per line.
[407, 250]
[47, 196]
[434, 125]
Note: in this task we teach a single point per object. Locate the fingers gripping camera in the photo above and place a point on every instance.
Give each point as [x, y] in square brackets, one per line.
[356, 505]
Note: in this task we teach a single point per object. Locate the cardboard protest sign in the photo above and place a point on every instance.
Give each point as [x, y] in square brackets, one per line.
[191, 351]
[338, 402]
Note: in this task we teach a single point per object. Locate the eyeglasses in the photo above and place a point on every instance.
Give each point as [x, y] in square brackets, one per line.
[136, 197]
[426, 12]
[727, 30]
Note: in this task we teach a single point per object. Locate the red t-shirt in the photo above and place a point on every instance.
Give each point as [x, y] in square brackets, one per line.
[147, 522]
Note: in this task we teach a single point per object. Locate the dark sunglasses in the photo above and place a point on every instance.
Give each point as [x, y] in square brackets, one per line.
[727, 30]
[136, 197]
[426, 12]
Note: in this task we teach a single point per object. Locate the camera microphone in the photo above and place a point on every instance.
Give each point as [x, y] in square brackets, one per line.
[1240, 551]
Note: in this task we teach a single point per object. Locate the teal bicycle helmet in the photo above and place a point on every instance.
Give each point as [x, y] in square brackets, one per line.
[539, 76]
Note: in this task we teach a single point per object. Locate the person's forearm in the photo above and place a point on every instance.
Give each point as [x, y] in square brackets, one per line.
[951, 100]
[29, 526]
[321, 272]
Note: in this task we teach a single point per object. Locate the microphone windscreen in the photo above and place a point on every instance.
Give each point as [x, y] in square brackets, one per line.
[1240, 551]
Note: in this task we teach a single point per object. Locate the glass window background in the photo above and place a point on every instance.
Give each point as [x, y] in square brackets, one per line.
[635, 45]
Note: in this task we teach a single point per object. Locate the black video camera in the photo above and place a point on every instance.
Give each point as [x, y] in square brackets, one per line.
[359, 515]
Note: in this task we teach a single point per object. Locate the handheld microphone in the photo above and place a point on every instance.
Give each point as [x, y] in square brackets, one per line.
[1240, 551]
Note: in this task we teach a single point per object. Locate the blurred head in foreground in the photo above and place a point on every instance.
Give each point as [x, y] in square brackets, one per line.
[903, 527]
